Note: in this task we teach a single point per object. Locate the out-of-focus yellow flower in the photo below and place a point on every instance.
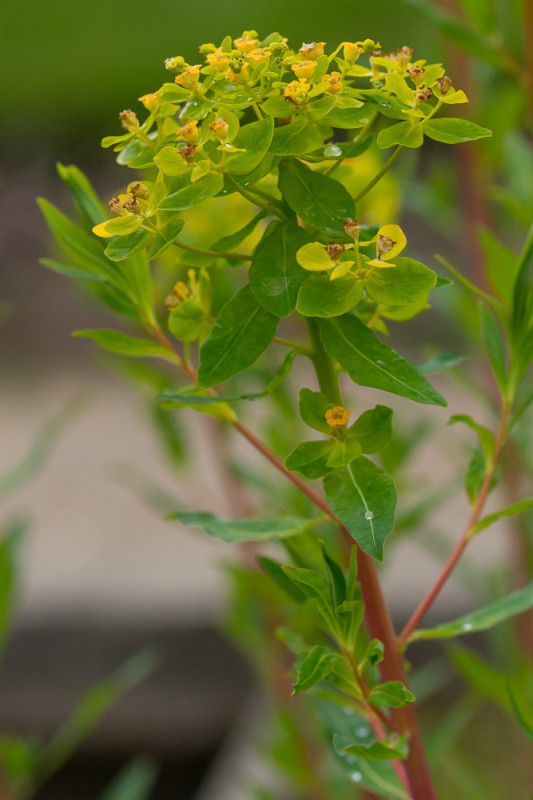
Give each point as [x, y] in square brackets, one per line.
[218, 59]
[258, 56]
[189, 77]
[352, 51]
[150, 100]
[337, 416]
[312, 50]
[189, 132]
[334, 82]
[304, 69]
[220, 128]
[128, 120]
[297, 91]
[237, 75]
[247, 42]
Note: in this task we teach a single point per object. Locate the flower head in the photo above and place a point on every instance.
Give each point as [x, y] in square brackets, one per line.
[312, 50]
[337, 416]
[304, 69]
[189, 77]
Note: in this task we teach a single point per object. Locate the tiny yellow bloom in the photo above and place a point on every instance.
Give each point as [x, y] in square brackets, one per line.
[150, 100]
[312, 50]
[337, 416]
[179, 293]
[237, 75]
[247, 42]
[297, 91]
[189, 77]
[352, 51]
[258, 56]
[218, 59]
[333, 79]
[190, 132]
[390, 242]
[304, 69]
[220, 128]
[128, 120]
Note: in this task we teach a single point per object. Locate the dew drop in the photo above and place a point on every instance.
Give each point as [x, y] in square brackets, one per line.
[369, 514]
[332, 151]
[467, 626]
[356, 777]
[361, 732]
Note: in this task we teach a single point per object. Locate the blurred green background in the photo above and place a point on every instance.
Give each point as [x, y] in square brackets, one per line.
[69, 68]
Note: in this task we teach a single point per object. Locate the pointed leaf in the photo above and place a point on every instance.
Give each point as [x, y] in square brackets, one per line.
[363, 498]
[275, 275]
[406, 134]
[248, 530]
[322, 297]
[510, 511]
[453, 131]
[310, 458]
[373, 429]
[314, 667]
[243, 331]
[295, 139]
[193, 194]
[125, 345]
[392, 694]
[369, 362]
[254, 139]
[407, 282]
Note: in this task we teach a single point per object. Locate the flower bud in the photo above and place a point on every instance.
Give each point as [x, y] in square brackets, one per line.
[129, 120]
[189, 132]
[207, 48]
[312, 50]
[139, 190]
[352, 51]
[237, 72]
[175, 64]
[179, 293]
[116, 207]
[188, 153]
[221, 129]
[131, 204]
[297, 91]
[444, 84]
[189, 77]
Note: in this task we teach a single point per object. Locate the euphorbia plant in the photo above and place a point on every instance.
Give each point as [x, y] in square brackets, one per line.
[287, 130]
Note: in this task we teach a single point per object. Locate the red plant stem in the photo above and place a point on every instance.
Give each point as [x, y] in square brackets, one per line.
[473, 519]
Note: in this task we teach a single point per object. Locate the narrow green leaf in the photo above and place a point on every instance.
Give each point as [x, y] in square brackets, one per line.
[125, 345]
[363, 497]
[248, 530]
[91, 210]
[369, 362]
[134, 782]
[322, 297]
[275, 275]
[506, 607]
[440, 363]
[319, 200]
[234, 239]
[313, 667]
[120, 247]
[510, 511]
[452, 130]
[193, 194]
[243, 331]
[337, 580]
[382, 750]
[10, 543]
[72, 272]
[295, 139]
[392, 694]
[165, 237]
[275, 571]
[494, 343]
[407, 282]
[406, 134]
[485, 436]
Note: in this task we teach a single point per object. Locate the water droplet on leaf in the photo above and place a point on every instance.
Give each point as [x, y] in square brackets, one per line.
[369, 514]
[356, 777]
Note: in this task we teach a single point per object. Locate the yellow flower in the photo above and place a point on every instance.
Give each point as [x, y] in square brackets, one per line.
[128, 120]
[312, 50]
[352, 51]
[314, 257]
[304, 69]
[247, 42]
[333, 79]
[337, 416]
[218, 59]
[220, 128]
[297, 91]
[150, 100]
[389, 243]
[189, 132]
[237, 76]
[179, 294]
[258, 56]
[189, 77]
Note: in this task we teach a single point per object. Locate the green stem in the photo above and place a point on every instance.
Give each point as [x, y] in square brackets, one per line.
[327, 376]
[255, 200]
[214, 253]
[384, 169]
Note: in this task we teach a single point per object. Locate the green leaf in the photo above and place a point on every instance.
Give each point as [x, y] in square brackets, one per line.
[10, 543]
[134, 782]
[363, 498]
[379, 750]
[193, 194]
[510, 511]
[91, 709]
[295, 139]
[310, 458]
[243, 331]
[344, 452]
[494, 343]
[369, 362]
[322, 297]
[506, 607]
[275, 275]
[313, 407]
[187, 322]
[406, 134]
[275, 571]
[337, 581]
[319, 200]
[477, 470]
[120, 247]
[440, 363]
[255, 139]
[122, 226]
[72, 272]
[91, 210]
[199, 400]
[165, 237]
[347, 114]
[249, 530]
[234, 239]
[407, 282]
[453, 131]
[485, 436]
[170, 162]
[373, 429]
[314, 666]
[392, 694]
[125, 345]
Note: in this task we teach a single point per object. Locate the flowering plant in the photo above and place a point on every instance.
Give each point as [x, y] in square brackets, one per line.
[286, 131]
